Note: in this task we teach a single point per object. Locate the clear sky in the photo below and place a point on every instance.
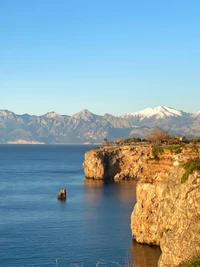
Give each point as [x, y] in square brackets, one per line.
[107, 56]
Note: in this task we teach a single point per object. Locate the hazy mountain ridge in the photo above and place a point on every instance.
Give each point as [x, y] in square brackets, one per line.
[85, 126]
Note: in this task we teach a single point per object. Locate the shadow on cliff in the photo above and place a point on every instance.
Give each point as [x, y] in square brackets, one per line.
[144, 255]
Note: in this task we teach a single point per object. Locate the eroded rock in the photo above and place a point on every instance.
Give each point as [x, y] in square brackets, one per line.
[62, 194]
[125, 163]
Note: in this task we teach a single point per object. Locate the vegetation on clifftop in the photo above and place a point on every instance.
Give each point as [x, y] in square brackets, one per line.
[156, 151]
[191, 166]
[174, 149]
[159, 150]
[192, 263]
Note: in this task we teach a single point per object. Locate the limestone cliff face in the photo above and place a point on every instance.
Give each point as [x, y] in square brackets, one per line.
[179, 217]
[167, 212]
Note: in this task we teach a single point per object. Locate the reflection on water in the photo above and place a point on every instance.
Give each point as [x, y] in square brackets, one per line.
[62, 200]
[93, 183]
[144, 255]
[112, 202]
[123, 190]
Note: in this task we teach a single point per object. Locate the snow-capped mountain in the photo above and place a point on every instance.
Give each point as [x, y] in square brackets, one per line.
[170, 119]
[157, 113]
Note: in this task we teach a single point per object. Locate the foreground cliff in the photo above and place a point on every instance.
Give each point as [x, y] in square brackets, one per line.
[168, 215]
[167, 212]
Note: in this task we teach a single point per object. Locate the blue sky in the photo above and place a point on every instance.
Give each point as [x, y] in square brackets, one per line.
[106, 56]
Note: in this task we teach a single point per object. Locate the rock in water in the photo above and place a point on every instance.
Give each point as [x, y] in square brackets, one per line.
[62, 194]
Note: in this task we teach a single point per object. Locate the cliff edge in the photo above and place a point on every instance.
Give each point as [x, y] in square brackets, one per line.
[126, 162]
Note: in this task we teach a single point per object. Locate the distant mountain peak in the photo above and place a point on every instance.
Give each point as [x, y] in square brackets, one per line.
[3, 113]
[196, 114]
[159, 112]
[85, 111]
[84, 114]
[52, 114]
[6, 113]
[107, 115]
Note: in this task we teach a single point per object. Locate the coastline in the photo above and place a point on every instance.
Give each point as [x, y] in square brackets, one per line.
[166, 213]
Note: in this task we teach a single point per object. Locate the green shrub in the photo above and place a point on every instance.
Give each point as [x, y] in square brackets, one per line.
[178, 150]
[190, 166]
[128, 140]
[195, 140]
[174, 149]
[192, 263]
[131, 140]
[156, 151]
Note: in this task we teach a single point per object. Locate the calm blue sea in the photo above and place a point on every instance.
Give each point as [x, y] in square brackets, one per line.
[38, 230]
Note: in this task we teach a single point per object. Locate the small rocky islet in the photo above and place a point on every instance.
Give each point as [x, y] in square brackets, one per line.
[167, 212]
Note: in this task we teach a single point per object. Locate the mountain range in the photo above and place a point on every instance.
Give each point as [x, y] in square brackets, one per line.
[86, 127]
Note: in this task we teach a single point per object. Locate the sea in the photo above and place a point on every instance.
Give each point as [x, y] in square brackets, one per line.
[91, 228]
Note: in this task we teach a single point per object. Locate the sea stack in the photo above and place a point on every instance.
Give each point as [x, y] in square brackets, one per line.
[62, 194]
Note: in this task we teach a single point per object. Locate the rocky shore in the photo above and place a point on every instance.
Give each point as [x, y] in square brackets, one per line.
[167, 212]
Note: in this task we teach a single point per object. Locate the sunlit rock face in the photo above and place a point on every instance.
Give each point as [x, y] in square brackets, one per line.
[168, 214]
[144, 219]
[180, 219]
[128, 162]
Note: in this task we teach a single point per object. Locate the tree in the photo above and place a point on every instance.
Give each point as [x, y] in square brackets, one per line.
[105, 142]
[158, 136]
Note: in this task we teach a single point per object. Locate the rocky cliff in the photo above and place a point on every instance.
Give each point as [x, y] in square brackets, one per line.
[126, 162]
[167, 212]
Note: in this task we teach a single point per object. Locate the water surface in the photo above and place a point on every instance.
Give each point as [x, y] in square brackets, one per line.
[37, 229]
